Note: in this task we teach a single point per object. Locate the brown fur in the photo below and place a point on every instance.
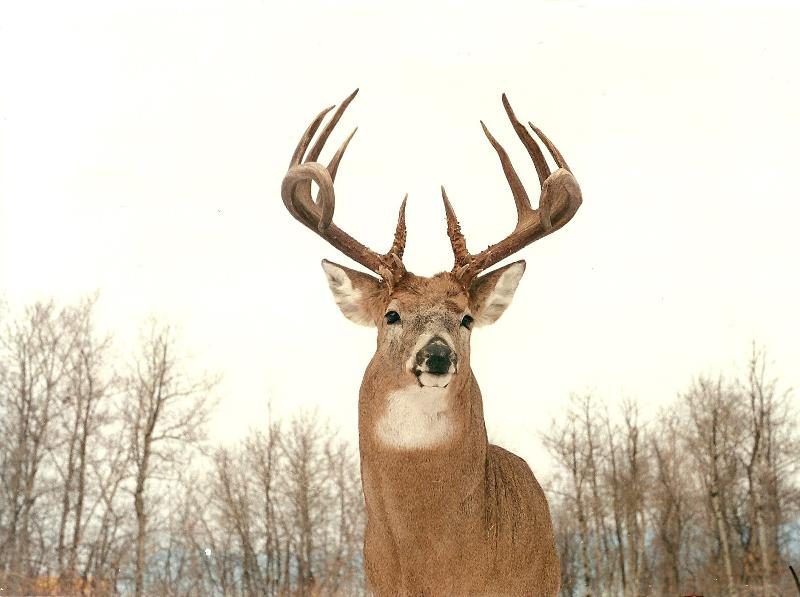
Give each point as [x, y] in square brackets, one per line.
[463, 517]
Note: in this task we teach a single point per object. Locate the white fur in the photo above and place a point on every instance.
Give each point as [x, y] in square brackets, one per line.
[501, 295]
[415, 417]
[447, 338]
[429, 380]
[347, 297]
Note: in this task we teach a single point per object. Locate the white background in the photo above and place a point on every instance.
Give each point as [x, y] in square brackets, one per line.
[142, 147]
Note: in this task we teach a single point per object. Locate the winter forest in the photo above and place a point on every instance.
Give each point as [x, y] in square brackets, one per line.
[108, 485]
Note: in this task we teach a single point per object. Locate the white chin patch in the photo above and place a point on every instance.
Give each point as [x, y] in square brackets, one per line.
[428, 380]
[416, 417]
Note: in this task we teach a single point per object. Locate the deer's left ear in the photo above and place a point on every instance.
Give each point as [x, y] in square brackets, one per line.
[491, 293]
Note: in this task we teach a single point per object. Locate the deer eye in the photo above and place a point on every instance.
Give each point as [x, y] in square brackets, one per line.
[392, 317]
[467, 321]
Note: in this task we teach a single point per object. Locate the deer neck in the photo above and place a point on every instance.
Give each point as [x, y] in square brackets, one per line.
[423, 452]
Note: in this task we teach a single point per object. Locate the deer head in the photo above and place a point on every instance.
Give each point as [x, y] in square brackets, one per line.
[424, 323]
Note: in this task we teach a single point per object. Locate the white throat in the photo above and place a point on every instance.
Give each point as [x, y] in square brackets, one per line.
[416, 417]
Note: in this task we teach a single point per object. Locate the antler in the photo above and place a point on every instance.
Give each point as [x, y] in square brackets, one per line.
[317, 214]
[559, 200]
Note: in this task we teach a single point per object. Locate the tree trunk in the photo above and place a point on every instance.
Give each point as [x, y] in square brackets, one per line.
[141, 525]
[723, 539]
[716, 506]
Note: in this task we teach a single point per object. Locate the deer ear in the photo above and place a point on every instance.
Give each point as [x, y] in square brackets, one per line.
[491, 293]
[354, 292]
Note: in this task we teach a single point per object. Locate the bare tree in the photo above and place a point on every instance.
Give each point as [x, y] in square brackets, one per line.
[767, 449]
[594, 456]
[290, 502]
[671, 501]
[634, 487]
[713, 432]
[614, 478]
[83, 415]
[165, 416]
[565, 445]
[35, 351]
[567, 539]
[320, 491]
[108, 540]
[704, 498]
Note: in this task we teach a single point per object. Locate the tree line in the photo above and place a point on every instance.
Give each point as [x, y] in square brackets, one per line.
[704, 499]
[109, 486]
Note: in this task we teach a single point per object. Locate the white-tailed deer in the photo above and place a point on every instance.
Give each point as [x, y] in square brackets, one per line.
[447, 512]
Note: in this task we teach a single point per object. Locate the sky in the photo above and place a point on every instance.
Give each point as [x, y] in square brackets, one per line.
[143, 144]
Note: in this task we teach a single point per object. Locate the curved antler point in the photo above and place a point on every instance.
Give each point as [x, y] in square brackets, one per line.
[509, 110]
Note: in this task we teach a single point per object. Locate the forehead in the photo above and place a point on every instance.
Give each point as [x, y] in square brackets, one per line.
[441, 290]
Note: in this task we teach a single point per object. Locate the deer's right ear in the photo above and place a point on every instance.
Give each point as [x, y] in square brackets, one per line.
[354, 292]
[491, 293]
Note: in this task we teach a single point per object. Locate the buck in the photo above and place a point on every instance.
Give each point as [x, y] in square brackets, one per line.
[447, 512]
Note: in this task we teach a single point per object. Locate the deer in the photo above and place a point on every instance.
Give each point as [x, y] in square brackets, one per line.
[447, 513]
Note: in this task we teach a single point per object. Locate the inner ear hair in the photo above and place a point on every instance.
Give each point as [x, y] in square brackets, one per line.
[358, 295]
[491, 293]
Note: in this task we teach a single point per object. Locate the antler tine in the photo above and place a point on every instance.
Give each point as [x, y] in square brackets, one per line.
[457, 240]
[333, 165]
[559, 200]
[318, 214]
[560, 161]
[520, 195]
[399, 243]
[392, 268]
[539, 162]
[302, 145]
[323, 136]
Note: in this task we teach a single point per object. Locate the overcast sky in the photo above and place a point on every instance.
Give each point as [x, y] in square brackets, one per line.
[142, 147]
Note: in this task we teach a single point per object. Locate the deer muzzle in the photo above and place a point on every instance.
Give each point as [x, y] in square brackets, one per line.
[435, 363]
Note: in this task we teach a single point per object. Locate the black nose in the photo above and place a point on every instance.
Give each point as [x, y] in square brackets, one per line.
[436, 356]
